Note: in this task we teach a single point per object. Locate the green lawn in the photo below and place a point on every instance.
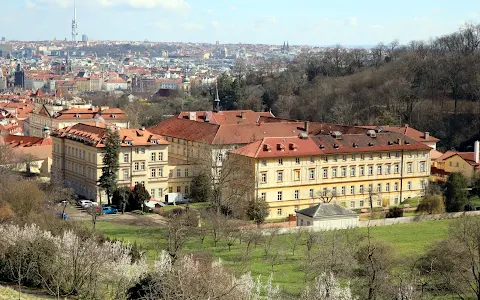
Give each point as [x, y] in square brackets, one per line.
[409, 240]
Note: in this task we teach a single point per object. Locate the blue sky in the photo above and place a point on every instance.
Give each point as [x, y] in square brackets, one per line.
[313, 22]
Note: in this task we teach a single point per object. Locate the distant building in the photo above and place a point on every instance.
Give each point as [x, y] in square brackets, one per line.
[19, 77]
[327, 216]
[84, 38]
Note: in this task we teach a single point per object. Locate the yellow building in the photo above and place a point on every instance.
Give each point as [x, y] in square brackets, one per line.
[83, 84]
[78, 152]
[458, 162]
[293, 173]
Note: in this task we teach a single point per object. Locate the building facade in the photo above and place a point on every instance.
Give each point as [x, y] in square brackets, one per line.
[78, 153]
[295, 173]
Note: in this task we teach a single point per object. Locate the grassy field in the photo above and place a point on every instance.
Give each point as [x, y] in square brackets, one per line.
[409, 241]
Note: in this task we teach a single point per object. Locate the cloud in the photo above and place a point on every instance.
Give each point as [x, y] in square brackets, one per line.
[233, 8]
[264, 21]
[161, 25]
[210, 11]
[30, 4]
[216, 24]
[171, 5]
[353, 21]
[40, 3]
[192, 26]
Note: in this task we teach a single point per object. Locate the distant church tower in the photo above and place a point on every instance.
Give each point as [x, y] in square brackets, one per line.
[216, 102]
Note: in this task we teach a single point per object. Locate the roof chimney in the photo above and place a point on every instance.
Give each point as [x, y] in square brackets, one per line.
[476, 150]
[427, 135]
[242, 115]
[192, 115]
[307, 126]
[399, 141]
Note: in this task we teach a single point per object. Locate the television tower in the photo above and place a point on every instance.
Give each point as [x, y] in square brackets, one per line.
[74, 23]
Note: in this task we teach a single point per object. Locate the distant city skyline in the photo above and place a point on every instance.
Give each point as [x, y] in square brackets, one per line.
[255, 22]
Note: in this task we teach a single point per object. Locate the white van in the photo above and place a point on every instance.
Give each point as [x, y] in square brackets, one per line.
[175, 198]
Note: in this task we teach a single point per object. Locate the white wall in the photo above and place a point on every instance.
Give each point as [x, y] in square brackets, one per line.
[328, 223]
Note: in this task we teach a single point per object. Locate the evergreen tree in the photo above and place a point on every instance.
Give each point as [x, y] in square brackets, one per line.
[139, 196]
[108, 180]
[121, 198]
[258, 211]
[201, 190]
[456, 194]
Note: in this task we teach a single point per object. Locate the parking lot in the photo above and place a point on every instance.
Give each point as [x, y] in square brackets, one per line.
[79, 214]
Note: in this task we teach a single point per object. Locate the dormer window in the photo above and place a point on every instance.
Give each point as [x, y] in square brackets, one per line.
[128, 143]
[114, 116]
[77, 115]
[154, 141]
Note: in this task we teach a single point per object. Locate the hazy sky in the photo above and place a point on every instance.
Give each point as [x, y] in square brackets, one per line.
[314, 22]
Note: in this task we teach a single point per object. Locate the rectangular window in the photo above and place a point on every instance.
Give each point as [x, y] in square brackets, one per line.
[344, 158]
[179, 189]
[352, 190]
[397, 154]
[126, 158]
[395, 186]
[334, 158]
[137, 150]
[280, 161]
[136, 165]
[142, 150]
[343, 191]
[334, 191]
[353, 156]
[126, 174]
[396, 169]
[409, 168]
[370, 170]
[142, 165]
[312, 159]
[263, 196]
[324, 192]
[362, 156]
[153, 173]
[152, 193]
[280, 176]
[352, 171]
[422, 166]
[325, 158]
[264, 177]
[160, 156]
[170, 189]
[409, 185]
[297, 194]
[311, 174]
[388, 169]
[153, 156]
[389, 155]
[311, 193]
[352, 204]
[362, 189]
[379, 202]
[361, 203]
[344, 172]
[179, 172]
[334, 172]
[379, 170]
[297, 160]
[279, 196]
[160, 172]
[387, 187]
[379, 187]
[264, 162]
[362, 171]
[186, 172]
[296, 175]
[371, 156]
[325, 173]
[279, 212]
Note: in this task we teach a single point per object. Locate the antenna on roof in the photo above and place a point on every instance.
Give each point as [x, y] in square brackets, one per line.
[216, 102]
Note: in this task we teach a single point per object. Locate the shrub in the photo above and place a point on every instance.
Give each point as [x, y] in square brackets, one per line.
[394, 212]
[431, 204]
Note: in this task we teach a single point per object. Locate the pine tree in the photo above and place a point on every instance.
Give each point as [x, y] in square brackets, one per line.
[201, 188]
[456, 194]
[108, 180]
[258, 211]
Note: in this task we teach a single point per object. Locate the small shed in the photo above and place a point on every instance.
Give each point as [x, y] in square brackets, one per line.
[327, 216]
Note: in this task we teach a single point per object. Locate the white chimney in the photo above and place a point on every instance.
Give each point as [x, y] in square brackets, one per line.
[476, 149]
[192, 115]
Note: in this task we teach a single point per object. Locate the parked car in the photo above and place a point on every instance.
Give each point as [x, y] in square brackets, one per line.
[87, 203]
[176, 198]
[108, 210]
[63, 203]
[62, 215]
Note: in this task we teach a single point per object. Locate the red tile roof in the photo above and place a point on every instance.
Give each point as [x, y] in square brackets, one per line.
[408, 131]
[96, 135]
[89, 113]
[227, 117]
[327, 144]
[26, 141]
